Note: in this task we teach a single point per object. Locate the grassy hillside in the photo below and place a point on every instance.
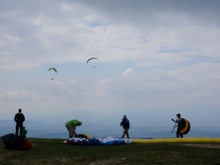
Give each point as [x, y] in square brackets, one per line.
[52, 151]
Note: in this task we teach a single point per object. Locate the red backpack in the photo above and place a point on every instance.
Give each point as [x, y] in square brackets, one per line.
[27, 144]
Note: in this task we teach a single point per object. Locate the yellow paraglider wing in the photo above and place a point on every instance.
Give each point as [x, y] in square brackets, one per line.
[53, 69]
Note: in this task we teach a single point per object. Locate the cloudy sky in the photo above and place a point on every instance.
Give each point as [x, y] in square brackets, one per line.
[155, 59]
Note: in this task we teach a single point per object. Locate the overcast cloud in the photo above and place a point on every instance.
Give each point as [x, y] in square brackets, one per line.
[155, 58]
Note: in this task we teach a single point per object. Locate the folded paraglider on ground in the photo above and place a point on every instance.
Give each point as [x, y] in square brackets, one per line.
[84, 141]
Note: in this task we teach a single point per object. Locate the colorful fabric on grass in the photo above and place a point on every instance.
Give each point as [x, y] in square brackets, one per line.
[109, 141]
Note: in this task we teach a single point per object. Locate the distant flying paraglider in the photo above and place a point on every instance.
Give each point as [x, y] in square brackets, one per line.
[53, 69]
[91, 59]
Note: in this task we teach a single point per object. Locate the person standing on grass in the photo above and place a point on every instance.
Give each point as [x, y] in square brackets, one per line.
[126, 126]
[19, 119]
[71, 127]
[179, 121]
[24, 132]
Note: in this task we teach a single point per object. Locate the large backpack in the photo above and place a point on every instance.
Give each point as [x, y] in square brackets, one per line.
[184, 127]
[14, 142]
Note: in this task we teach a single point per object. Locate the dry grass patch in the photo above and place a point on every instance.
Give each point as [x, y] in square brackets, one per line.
[203, 145]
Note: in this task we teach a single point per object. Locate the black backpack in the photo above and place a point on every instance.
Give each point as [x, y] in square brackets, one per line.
[12, 141]
[81, 136]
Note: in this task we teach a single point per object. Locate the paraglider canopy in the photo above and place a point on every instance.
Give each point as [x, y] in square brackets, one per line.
[91, 59]
[53, 69]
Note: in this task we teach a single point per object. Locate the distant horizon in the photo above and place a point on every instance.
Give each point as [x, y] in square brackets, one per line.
[36, 129]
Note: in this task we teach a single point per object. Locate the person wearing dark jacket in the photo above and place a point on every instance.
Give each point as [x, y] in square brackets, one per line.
[19, 119]
[179, 121]
[126, 126]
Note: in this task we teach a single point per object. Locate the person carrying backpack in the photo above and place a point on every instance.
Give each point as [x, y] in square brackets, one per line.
[179, 121]
[24, 132]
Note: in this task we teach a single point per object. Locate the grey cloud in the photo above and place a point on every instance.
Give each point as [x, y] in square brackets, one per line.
[35, 33]
[45, 32]
[200, 10]
[196, 81]
[16, 95]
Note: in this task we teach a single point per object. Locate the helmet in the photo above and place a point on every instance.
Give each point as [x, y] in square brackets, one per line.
[178, 114]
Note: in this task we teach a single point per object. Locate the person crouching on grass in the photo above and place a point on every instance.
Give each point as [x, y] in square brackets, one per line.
[24, 132]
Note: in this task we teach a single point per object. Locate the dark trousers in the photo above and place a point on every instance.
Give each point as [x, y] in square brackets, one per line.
[178, 133]
[125, 133]
[18, 126]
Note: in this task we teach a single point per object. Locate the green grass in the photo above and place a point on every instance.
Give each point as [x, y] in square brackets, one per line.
[53, 152]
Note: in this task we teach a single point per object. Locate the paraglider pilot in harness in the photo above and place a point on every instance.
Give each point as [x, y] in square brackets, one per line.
[179, 121]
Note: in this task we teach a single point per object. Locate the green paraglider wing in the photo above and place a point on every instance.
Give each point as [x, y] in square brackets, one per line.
[53, 69]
